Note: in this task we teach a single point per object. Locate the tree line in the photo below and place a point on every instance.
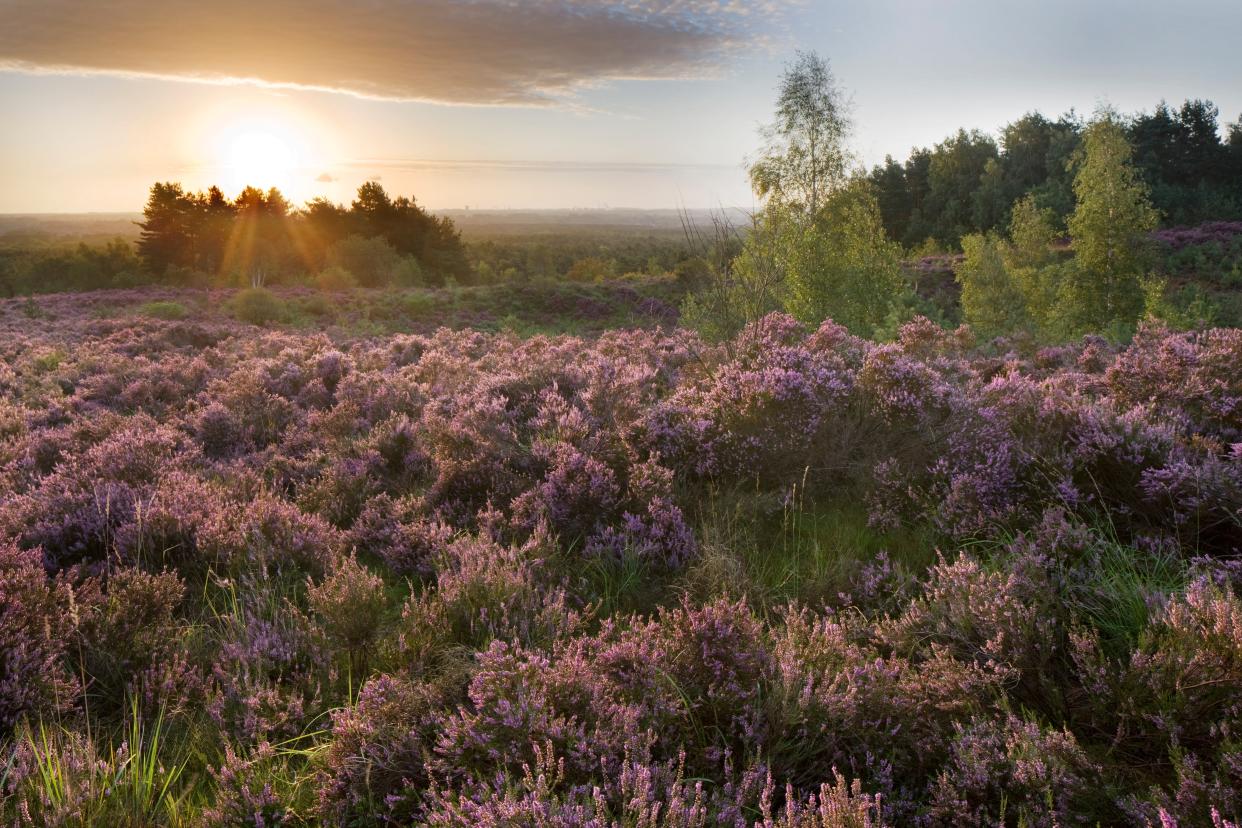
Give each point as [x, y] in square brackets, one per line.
[259, 238]
[969, 182]
[827, 242]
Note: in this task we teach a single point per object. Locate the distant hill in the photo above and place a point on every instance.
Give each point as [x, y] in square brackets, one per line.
[74, 227]
[16, 227]
[524, 222]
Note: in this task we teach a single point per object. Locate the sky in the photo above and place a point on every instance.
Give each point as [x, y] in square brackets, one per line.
[494, 104]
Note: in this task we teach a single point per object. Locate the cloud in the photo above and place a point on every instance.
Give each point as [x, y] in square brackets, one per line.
[522, 52]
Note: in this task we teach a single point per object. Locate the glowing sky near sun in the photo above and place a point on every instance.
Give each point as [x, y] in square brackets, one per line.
[542, 103]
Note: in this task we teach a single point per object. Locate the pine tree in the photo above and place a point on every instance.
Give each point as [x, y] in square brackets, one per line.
[168, 228]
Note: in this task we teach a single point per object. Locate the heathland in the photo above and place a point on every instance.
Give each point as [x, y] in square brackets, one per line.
[905, 501]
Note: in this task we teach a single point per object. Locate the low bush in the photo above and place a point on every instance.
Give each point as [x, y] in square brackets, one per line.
[258, 306]
[335, 279]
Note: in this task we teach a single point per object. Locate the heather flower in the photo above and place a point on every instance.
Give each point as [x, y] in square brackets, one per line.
[375, 764]
[1013, 769]
[660, 537]
[269, 672]
[576, 495]
[269, 533]
[36, 616]
[486, 591]
[887, 719]
[351, 605]
[1006, 620]
[128, 639]
[244, 794]
[396, 532]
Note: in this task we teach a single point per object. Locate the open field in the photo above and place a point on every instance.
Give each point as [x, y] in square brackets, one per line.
[347, 575]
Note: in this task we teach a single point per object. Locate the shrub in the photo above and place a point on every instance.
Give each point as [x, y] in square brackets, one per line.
[258, 306]
[221, 521]
[350, 604]
[419, 304]
[34, 628]
[334, 279]
[129, 640]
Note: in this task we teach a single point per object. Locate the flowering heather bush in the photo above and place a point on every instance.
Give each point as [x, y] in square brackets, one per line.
[34, 675]
[129, 641]
[1013, 769]
[1219, 232]
[439, 577]
[245, 793]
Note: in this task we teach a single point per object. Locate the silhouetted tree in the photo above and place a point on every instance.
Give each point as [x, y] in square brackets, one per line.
[215, 228]
[260, 245]
[433, 242]
[169, 228]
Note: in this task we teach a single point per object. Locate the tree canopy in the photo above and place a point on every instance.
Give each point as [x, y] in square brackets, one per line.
[259, 234]
[805, 156]
[970, 182]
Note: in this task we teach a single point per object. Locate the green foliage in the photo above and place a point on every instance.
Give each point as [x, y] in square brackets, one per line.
[842, 266]
[955, 195]
[805, 157]
[258, 306]
[1113, 213]
[369, 260]
[45, 268]
[692, 273]
[164, 310]
[1114, 592]
[1179, 153]
[964, 185]
[409, 273]
[419, 305]
[992, 302]
[335, 279]
[590, 269]
[1032, 231]
[1109, 230]
[133, 785]
[800, 551]
[742, 289]
[1101, 289]
[1188, 308]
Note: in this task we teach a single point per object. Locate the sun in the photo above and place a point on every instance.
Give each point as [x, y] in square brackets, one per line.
[260, 154]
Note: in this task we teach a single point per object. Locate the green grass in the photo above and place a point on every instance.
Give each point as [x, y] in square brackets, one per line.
[48, 361]
[1118, 589]
[774, 551]
[170, 311]
[137, 782]
[619, 587]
